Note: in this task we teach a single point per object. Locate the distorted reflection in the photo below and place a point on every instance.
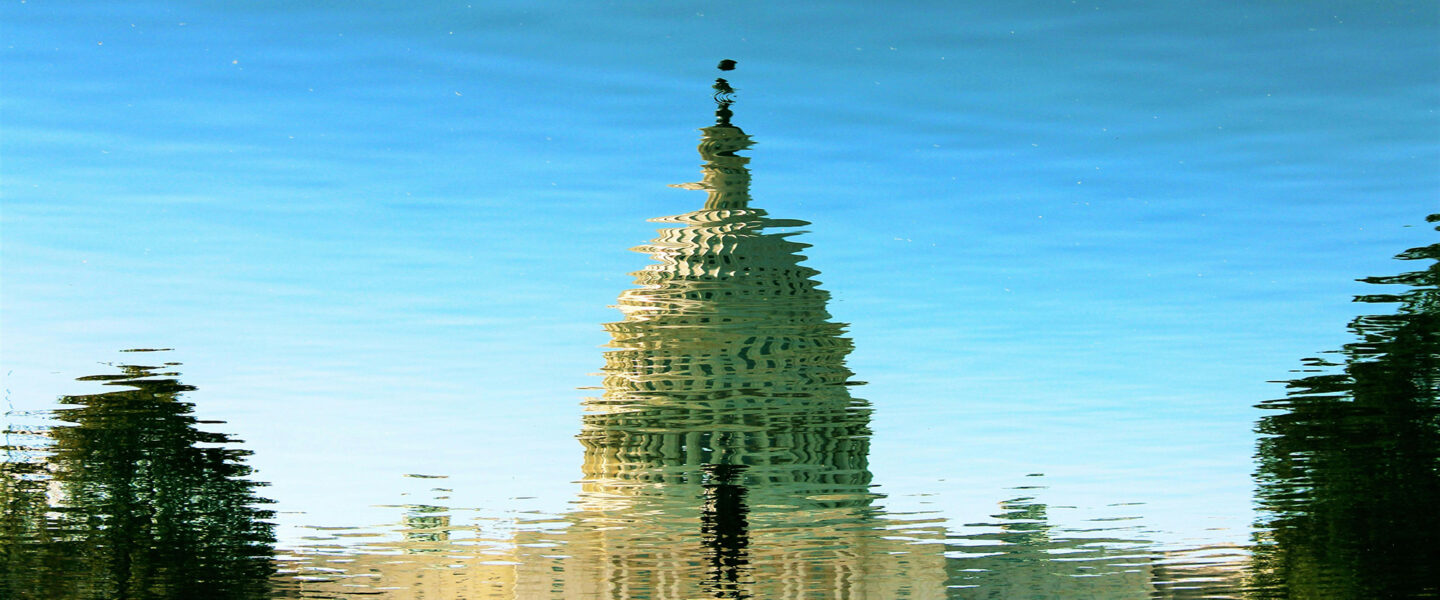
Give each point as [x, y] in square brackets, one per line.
[726, 457]
[1349, 461]
[126, 497]
[1022, 555]
[429, 553]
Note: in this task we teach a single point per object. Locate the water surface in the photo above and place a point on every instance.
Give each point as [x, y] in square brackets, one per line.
[1094, 263]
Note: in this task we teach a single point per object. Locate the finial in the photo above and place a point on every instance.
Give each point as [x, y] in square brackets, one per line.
[724, 95]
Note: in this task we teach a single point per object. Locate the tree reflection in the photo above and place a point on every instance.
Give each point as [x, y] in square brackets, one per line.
[125, 497]
[1349, 465]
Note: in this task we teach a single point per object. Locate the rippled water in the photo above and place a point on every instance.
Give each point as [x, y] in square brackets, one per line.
[1087, 328]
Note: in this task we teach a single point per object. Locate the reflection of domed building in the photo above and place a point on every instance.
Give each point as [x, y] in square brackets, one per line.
[726, 457]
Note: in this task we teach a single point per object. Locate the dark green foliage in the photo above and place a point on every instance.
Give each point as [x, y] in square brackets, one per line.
[127, 498]
[1349, 465]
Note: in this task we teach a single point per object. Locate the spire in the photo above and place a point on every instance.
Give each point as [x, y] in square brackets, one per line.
[726, 176]
[724, 95]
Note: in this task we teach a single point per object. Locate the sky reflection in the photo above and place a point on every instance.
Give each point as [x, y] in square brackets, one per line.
[1077, 239]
